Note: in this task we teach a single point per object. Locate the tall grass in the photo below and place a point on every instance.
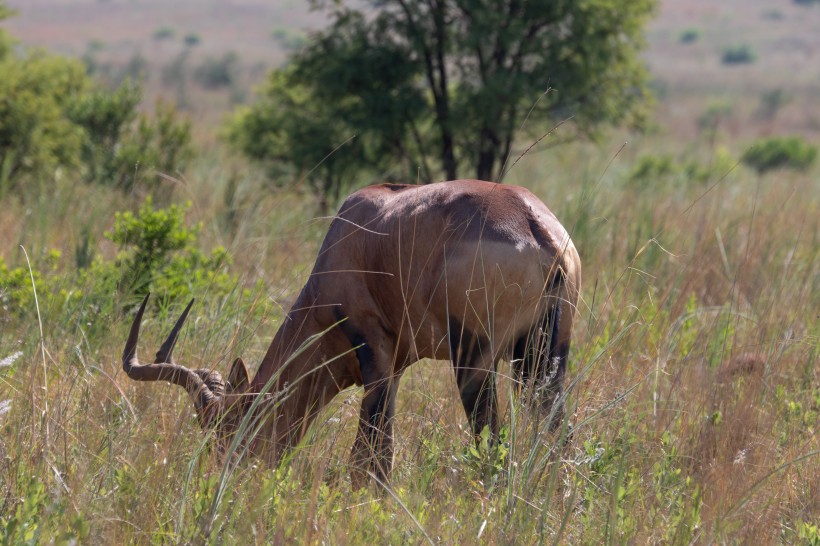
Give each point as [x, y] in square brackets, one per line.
[694, 400]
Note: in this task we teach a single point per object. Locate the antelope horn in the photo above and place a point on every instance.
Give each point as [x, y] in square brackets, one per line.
[165, 371]
[164, 353]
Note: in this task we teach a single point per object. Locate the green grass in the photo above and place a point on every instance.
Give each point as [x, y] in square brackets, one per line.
[678, 436]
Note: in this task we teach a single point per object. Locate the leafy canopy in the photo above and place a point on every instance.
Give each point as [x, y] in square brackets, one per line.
[432, 87]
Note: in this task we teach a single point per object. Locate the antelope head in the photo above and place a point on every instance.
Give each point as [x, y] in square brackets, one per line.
[219, 404]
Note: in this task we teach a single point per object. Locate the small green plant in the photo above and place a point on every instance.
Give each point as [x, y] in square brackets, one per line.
[649, 170]
[288, 38]
[742, 54]
[771, 102]
[714, 114]
[192, 39]
[164, 33]
[216, 73]
[780, 152]
[808, 533]
[157, 253]
[488, 457]
[39, 517]
[689, 36]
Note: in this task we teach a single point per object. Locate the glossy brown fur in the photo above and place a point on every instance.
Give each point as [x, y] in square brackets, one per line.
[467, 271]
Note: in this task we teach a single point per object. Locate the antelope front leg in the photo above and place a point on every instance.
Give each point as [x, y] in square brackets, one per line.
[373, 449]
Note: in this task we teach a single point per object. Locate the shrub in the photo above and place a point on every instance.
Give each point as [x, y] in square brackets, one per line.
[16, 293]
[288, 38]
[714, 114]
[742, 54]
[652, 171]
[649, 169]
[780, 152]
[690, 35]
[771, 102]
[157, 253]
[192, 39]
[216, 73]
[36, 137]
[164, 33]
[119, 143]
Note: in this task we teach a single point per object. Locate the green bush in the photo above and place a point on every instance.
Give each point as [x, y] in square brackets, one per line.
[120, 144]
[192, 39]
[36, 136]
[216, 73]
[653, 171]
[157, 254]
[742, 54]
[16, 292]
[164, 33]
[780, 152]
[690, 35]
[55, 119]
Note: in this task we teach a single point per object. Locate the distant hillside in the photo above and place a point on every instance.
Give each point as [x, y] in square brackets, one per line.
[754, 62]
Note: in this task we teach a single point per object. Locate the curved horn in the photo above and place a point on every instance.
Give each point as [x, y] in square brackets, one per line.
[164, 353]
[165, 371]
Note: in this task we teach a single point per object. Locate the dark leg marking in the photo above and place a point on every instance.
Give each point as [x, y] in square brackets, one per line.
[373, 448]
[475, 375]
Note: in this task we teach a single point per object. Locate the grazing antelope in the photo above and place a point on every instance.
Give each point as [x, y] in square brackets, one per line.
[466, 271]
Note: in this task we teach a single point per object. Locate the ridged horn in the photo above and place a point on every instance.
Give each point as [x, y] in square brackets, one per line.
[164, 369]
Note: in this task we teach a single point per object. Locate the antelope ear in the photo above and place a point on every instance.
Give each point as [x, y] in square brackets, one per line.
[238, 379]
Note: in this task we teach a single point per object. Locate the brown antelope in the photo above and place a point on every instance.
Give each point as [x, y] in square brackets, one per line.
[466, 271]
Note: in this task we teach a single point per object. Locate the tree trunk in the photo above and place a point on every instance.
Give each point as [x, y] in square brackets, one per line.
[487, 154]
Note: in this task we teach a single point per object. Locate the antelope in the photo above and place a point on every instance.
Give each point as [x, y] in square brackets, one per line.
[467, 271]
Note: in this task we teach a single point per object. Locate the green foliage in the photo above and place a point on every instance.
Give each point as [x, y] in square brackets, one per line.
[488, 457]
[164, 33]
[105, 117]
[808, 533]
[714, 114]
[192, 39]
[157, 253]
[16, 292]
[120, 142]
[55, 119]
[741, 54]
[5, 40]
[38, 518]
[450, 82]
[36, 136]
[771, 102]
[288, 127]
[216, 73]
[689, 36]
[654, 171]
[780, 152]
[288, 38]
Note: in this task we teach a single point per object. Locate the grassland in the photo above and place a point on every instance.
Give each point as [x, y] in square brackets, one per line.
[695, 386]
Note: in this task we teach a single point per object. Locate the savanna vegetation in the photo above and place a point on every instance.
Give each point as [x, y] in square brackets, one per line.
[695, 389]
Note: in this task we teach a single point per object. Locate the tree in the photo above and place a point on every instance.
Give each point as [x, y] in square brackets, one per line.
[301, 120]
[290, 126]
[453, 81]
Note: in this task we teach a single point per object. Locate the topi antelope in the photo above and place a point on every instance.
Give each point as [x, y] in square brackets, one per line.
[466, 271]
